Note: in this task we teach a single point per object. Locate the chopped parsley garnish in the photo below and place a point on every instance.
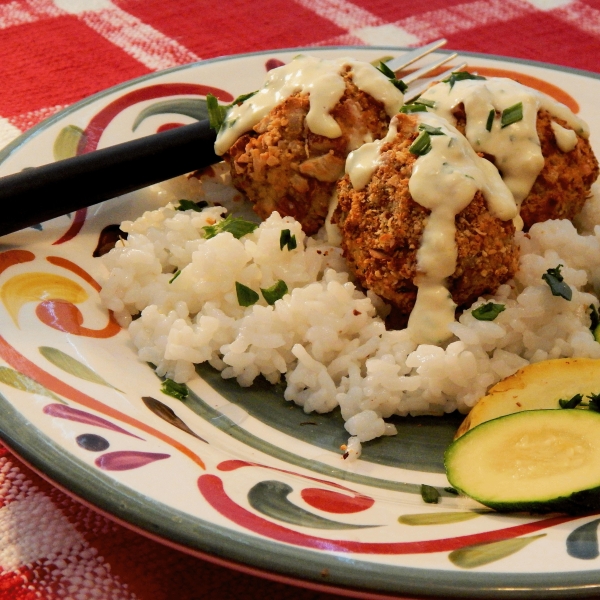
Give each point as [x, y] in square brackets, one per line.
[245, 295]
[512, 114]
[488, 312]
[490, 120]
[422, 145]
[451, 490]
[191, 205]
[431, 130]
[234, 225]
[175, 276]
[424, 101]
[275, 292]
[571, 403]
[174, 389]
[460, 76]
[429, 494]
[413, 108]
[383, 68]
[558, 286]
[218, 112]
[287, 239]
[594, 317]
[594, 403]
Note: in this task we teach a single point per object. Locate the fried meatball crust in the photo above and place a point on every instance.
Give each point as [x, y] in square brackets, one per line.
[563, 185]
[282, 166]
[382, 227]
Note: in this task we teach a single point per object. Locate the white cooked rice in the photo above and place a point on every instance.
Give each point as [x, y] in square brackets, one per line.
[325, 337]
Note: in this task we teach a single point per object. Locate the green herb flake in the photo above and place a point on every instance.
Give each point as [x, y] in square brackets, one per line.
[216, 112]
[275, 292]
[174, 389]
[511, 115]
[424, 101]
[422, 145]
[191, 205]
[594, 403]
[572, 402]
[175, 276]
[429, 494]
[413, 108]
[451, 490]
[287, 239]
[460, 76]
[558, 286]
[490, 119]
[383, 68]
[488, 312]
[594, 318]
[431, 130]
[245, 295]
[236, 226]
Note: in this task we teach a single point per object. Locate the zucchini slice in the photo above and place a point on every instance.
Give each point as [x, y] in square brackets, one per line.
[538, 461]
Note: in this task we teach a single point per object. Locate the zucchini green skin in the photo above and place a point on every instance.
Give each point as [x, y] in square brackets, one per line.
[582, 499]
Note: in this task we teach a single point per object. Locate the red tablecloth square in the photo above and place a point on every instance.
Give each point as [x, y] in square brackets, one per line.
[564, 42]
[218, 28]
[43, 51]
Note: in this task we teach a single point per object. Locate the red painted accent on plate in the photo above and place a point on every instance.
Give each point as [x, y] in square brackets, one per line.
[74, 229]
[100, 121]
[334, 502]
[125, 460]
[65, 263]
[167, 126]
[273, 63]
[22, 364]
[66, 317]
[211, 488]
[233, 464]
[14, 257]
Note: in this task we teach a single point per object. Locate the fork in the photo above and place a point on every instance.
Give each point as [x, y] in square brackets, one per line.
[41, 193]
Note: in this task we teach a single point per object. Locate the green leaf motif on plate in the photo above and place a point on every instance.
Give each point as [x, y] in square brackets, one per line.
[25, 384]
[190, 107]
[167, 414]
[438, 518]
[67, 141]
[71, 365]
[478, 555]
[271, 499]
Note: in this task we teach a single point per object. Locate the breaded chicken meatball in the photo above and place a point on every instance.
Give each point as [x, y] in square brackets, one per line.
[539, 146]
[281, 165]
[563, 185]
[382, 229]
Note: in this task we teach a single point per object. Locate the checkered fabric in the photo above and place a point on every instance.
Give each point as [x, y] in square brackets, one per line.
[56, 52]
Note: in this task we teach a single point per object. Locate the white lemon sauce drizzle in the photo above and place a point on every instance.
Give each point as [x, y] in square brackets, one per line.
[323, 81]
[516, 147]
[444, 180]
[566, 139]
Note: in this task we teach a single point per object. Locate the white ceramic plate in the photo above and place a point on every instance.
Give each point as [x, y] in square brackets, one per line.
[237, 474]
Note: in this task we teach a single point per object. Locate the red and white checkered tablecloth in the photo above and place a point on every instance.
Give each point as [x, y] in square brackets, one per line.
[56, 52]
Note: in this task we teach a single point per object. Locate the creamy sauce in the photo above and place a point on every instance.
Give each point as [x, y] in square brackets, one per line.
[444, 181]
[322, 80]
[566, 139]
[516, 147]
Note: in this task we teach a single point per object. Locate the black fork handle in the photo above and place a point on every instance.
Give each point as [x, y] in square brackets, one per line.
[41, 193]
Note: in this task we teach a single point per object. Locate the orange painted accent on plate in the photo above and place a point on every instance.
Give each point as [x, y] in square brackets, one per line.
[22, 364]
[66, 317]
[65, 263]
[14, 257]
[530, 81]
